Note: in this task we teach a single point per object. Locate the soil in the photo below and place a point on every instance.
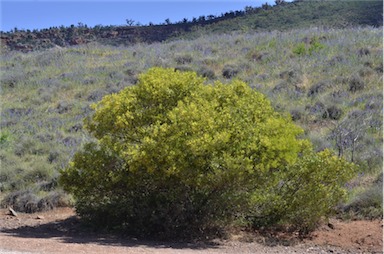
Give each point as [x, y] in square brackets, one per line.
[59, 231]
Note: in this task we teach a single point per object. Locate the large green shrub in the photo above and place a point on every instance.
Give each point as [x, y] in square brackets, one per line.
[175, 157]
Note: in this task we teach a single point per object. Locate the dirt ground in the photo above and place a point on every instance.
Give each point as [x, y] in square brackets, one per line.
[59, 231]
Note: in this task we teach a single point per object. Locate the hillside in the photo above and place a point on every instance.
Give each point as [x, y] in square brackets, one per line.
[302, 14]
[283, 16]
[329, 81]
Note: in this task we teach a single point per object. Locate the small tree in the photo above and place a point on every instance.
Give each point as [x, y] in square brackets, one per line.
[176, 157]
[279, 2]
[130, 22]
[349, 132]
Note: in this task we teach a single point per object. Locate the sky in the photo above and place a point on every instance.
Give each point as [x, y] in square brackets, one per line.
[38, 14]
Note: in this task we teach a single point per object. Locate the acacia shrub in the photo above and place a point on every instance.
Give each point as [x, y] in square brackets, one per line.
[175, 157]
[306, 192]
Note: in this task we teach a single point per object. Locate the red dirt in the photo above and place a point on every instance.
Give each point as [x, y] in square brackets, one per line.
[59, 231]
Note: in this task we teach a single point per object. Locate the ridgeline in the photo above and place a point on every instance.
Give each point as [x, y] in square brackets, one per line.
[282, 16]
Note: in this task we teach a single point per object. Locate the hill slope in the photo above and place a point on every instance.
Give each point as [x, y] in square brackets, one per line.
[330, 81]
[298, 14]
[304, 13]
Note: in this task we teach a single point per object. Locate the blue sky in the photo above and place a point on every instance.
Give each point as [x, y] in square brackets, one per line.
[37, 14]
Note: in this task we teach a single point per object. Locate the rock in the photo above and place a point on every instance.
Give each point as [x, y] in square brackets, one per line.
[12, 212]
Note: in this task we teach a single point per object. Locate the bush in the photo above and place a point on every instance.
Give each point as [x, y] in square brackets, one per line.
[300, 49]
[306, 191]
[356, 84]
[288, 89]
[183, 68]
[27, 201]
[318, 109]
[256, 55]
[184, 59]
[363, 52]
[291, 76]
[296, 115]
[229, 71]
[63, 107]
[333, 112]
[206, 73]
[303, 48]
[317, 88]
[177, 158]
[367, 204]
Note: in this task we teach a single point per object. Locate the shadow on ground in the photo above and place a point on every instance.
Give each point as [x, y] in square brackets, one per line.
[71, 230]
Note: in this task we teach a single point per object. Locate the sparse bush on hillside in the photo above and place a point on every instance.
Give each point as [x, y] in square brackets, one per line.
[184, 59]
[177, 158]
[363, 52]
[63, 107]
[256, 56]
[302, 48]
[287, 89]
[318, 88]
[366, 204]
[229, 71]
[96, 95]
[183, 68]
[28, 202]
[296, 115]
[356, 84]
[366, 72]
[317, 110]
[350, 132]
[292, 76]
[206, 73]
[333, 112]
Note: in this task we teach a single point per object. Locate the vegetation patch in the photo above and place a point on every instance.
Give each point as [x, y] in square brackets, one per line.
[175, 157]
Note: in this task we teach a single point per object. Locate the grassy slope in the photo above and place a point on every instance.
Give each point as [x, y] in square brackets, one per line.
[46, 95]
[303, 14]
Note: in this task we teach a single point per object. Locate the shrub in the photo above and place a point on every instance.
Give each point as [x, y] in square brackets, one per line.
[367, 204]
[184, 59]
[336, 60]
[96, 95]
[296, 114]
[176, 158]
[303, 48]
[366, 72]
[22, 201]
[317, 88]
[28, 201]
[306, 191]
[333, 112]
[363, 52]
[5, 139]
[300, 49]
[291, 76]
[183, 68]
[24, 146]
[287, 88]
[63, 107]
[229, 71]
[206, 73]
[356, 84]
[318, 109]
[256, 55]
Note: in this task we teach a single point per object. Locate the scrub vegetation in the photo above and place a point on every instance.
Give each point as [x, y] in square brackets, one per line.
[326, 81]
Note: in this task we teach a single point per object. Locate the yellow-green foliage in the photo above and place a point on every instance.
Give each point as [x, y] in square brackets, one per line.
[307, 191]
[177, 156]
